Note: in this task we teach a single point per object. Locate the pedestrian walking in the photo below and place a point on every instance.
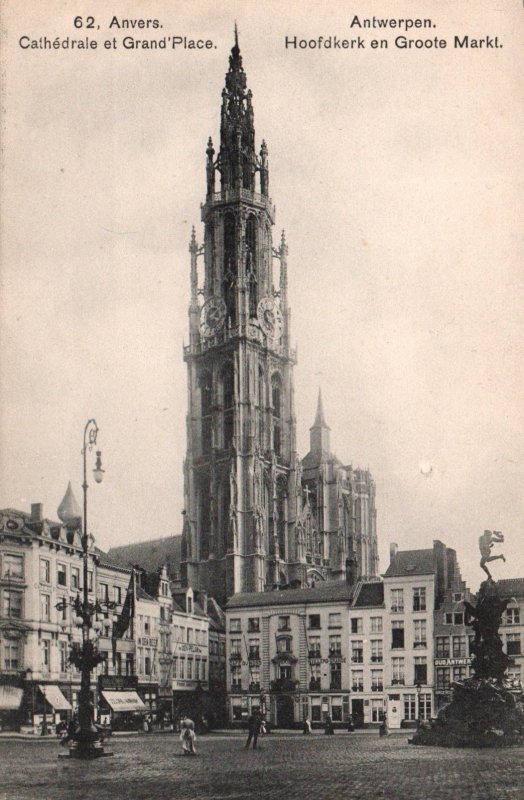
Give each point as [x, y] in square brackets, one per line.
[253, 727]
[351, 724]
[328, 727]
[384, 730]
[306, 727]
[187, 737]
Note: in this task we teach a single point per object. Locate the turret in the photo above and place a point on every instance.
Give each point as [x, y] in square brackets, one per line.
[319, 431]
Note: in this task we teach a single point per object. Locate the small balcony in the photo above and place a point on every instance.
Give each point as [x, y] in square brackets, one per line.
[314, 685]
[357, 658]
[284, 685]
[254, 686]
[357, 687]
[377, 687]
[335, 686]
[398, 682]
[420, 643]
[314, 654]
[376, 659]
[236, 688]
[235, 657]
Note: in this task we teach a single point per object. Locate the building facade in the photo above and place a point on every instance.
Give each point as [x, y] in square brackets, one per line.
[365, 648]
[162, 655]
[512, 631]
[288, 654]
[255, 517]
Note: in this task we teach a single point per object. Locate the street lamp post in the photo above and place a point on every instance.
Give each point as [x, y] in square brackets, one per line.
[86, 739]
[419, 715]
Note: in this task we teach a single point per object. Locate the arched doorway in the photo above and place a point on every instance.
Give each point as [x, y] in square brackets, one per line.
[285, 711]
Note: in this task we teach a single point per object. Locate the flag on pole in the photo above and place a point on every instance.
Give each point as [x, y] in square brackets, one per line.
[126, 616]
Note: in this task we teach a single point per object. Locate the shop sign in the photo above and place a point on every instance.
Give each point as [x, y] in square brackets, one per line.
[453, 662]
[147, 641]
[188, 648]
[117, 681]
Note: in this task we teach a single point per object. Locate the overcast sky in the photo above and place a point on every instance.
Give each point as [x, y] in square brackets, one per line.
[396, 174]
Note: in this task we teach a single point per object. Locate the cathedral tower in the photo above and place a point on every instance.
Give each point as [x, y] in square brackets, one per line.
[240, 467]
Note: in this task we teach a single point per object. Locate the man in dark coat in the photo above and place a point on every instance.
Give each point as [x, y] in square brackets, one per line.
[253, 727]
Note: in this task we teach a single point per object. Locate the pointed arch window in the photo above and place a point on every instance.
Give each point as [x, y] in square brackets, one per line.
[206, 393]
[251, 264]
[228, 389]
[225, 497]
[230, 266]
[281, 517]
[276, 402]
[261, 404]
[204, 515]
[276, 395]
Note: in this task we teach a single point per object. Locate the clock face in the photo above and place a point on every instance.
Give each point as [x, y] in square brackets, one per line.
[270, 317]
[212, 316]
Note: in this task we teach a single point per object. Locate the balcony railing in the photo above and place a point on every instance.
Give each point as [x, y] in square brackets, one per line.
[357, 659]
[357, 687]
[254, 686]
[377, 659]
[235, 656]
[421, 643]
[377, 687]
[314, 685]
[398, 682]
[284, 685]
[314, 654]
[335, 686]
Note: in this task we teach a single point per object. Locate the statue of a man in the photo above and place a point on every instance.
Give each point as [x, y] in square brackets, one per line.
[485, 545]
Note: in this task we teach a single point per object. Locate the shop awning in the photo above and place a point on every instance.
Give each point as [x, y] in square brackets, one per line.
[55, 698]
[10, 698]
[124, 701]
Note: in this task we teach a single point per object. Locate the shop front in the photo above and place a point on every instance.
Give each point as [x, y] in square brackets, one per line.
[53, 709]
[121, 707]
[317, 708]
[122, 710]
[10, 702]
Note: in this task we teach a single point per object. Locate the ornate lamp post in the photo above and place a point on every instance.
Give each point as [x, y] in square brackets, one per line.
[418, 687]
[87, 742]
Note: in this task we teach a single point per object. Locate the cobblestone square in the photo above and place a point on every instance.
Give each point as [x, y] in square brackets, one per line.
[287, 765]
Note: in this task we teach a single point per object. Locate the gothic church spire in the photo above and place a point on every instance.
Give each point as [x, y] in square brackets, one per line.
[237, 161]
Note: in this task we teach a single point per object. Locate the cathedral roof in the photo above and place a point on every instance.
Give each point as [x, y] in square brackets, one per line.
[370, 594]
[313, 460]
[151, 555]
[411, 562]
[324, 593]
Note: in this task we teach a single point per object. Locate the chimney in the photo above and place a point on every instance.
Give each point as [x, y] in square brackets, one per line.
[202, 599]
[392, 552]
[37, 512]
[351, 570]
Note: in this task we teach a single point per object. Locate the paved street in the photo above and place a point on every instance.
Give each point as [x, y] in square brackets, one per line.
[287, 766]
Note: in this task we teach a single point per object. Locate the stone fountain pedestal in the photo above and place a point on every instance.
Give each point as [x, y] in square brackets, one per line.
[483, 711]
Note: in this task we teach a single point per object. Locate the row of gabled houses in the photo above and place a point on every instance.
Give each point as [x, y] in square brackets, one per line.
[167, 661]
[356, 649]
